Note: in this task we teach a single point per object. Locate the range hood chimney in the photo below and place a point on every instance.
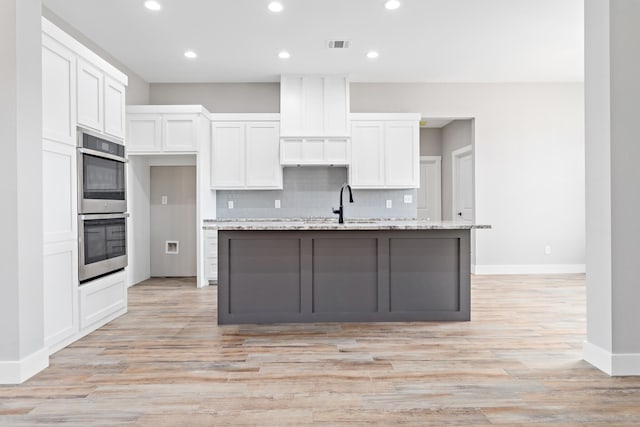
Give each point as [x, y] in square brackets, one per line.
[314, 106]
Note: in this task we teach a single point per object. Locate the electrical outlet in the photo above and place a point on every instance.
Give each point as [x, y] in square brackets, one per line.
[164, 200]
[277, 204]
[547, 250]
[230, 204]
[389, 204]
[408, 198]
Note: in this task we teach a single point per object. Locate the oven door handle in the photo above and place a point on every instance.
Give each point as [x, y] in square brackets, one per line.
[103, 155]
[103, 216]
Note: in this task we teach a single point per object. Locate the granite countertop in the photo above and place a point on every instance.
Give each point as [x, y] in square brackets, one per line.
[332, 224]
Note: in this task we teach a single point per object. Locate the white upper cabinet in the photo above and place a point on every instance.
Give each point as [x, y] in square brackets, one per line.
[228, 155]
[314, 106]
[314, 151]
[245, 152]
[385, 151]
[144, 133]
[101, 100]
[114, 109]
[58, 92]
[163, 129]
[90, 96]
[262, 154]
[179, 132]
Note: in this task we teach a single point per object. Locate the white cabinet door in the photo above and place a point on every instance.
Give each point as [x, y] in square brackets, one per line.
[60, 283]
[336, 106]
[228, 155]
[90, 96]
[144, 133]
[263, 168]
[114, 108]
[402, 154]
[58, 93]
[179, 133]
[59, 195]
[367, 154]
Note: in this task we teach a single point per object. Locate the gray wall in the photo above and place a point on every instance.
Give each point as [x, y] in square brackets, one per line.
[455, 135]
[520, 129]
[174, 221]
[220, 97]
[430, 141]
[21, 291]
[138, 89]
[313, 191]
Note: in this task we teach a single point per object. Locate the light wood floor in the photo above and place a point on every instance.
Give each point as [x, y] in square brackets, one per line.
[518, 362]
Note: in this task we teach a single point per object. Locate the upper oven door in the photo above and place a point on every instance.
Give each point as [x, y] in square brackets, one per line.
[101, 177]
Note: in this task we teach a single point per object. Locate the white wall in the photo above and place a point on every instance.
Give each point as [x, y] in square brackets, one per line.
[529, 160]
[138, 196]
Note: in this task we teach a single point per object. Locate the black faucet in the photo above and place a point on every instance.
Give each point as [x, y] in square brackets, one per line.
[340, 210]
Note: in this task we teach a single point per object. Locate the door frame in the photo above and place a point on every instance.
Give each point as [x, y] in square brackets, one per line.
[455, 155]
[437, 160]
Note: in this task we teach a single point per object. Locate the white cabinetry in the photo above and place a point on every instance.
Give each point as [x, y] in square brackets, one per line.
[245, 152]
[78, 89]
[385, 151]
[90, 96]
[58, 92]
[211, 254]
[314, 151]
[101, 100]
[315, 106]
[114, 109]
[102, 300]
[155, 129]
[60, 264]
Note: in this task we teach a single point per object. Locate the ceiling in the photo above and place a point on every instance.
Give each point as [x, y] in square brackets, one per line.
[422, 41]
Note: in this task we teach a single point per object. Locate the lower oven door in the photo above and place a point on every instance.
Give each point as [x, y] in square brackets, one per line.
[102, 244]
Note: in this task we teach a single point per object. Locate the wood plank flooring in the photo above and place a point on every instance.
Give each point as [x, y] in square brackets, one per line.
[167, 363]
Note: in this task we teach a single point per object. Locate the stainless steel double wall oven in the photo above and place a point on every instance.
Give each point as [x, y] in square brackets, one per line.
[102, 205]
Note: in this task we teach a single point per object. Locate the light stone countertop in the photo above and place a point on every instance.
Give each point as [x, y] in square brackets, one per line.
[266, 224]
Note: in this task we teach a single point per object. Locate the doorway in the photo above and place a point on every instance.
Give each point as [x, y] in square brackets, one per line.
[429, 193]
[173, 221]
[462, 179]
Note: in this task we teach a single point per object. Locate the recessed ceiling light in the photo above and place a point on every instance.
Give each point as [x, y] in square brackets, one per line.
[152, 5]
[190, 54]
[284, 55]
[392, 4]
[372, 55]
[275, 6]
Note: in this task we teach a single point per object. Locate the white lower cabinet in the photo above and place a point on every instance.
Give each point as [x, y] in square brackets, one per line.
[211, 254]
[60, 276]
[102, 300]
[385, 151]
[245, 153]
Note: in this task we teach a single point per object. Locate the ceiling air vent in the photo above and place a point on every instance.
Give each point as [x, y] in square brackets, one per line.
[338, 44]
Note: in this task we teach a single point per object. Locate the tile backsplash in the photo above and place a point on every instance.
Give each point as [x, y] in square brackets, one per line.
[312, 192]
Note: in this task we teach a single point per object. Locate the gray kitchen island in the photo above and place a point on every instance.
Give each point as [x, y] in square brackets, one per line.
[273, 271]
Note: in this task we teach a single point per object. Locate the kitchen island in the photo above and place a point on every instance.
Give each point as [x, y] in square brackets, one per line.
[272, 271]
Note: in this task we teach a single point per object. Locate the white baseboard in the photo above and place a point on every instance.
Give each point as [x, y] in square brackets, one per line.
[18, 371]
[528, 269]
[613, 364]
